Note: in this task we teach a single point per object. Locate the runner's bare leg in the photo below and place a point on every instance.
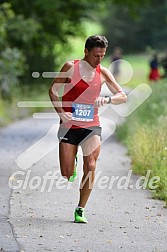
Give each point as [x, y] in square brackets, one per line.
[67, 154]
[91, 150]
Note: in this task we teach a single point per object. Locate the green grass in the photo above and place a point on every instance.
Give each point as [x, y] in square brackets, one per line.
[145, 135]
[141, 69]
[9, 111]
[139, 63]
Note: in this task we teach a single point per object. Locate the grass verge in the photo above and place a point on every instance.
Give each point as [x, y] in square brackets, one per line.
[10, 112]
[145, 135]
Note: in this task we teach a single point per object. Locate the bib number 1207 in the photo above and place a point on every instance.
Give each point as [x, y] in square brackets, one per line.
[83, 112]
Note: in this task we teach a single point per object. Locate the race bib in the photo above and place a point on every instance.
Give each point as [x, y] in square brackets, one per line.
[82, 112]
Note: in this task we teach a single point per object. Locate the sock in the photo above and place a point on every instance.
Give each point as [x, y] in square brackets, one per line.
[79, 207]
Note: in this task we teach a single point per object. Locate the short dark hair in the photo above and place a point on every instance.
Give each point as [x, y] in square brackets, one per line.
[96, 41]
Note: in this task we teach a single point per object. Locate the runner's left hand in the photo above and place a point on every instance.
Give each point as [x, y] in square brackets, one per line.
[100, 101]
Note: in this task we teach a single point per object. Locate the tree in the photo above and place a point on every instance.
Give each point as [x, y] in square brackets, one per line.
[40, 25]
[135, 27]
[12, 60]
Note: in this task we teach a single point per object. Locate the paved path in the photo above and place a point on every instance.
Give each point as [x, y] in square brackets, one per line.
[120, 220]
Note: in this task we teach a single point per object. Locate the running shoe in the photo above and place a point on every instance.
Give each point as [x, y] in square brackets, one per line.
[74, 176]
[79, 215]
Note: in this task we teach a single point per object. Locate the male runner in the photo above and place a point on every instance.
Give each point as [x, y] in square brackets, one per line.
[78, 112]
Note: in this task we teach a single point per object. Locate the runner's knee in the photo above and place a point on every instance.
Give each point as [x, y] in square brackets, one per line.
[66, 171]
[89, 165]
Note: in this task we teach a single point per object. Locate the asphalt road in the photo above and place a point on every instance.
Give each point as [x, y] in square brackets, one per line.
[38, 214]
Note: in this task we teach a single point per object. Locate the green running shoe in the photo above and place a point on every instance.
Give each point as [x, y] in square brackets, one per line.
[79, 216]
[74, 176]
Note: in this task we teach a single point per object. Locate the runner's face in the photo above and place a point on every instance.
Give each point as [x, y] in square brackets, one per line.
[95, 56]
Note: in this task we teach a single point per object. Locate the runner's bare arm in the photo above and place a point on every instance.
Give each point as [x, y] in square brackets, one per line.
[119, 95]
[62, 78]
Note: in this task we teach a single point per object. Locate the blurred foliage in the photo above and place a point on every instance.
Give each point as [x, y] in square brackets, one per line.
[35, 34]
[37, 27]
[12, 60]
[12, 65]
[134, 27]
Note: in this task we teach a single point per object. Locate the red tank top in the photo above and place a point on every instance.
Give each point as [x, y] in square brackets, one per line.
[80, 97]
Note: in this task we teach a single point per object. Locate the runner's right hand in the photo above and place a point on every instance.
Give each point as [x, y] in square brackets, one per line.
[65, 116]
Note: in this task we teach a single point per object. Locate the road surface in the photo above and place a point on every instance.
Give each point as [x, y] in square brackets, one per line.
[38, 214]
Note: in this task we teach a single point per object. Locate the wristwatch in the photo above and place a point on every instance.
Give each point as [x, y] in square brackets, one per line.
[109, 99]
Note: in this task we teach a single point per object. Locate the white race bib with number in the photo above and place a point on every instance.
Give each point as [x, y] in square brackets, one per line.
[82, 112]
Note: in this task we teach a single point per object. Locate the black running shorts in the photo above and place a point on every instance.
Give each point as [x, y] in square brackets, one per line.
[79, 135]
